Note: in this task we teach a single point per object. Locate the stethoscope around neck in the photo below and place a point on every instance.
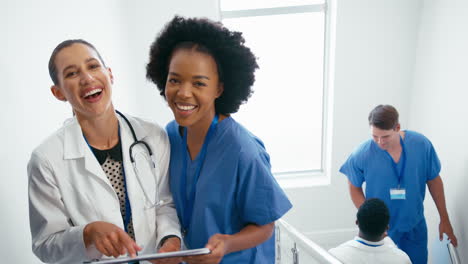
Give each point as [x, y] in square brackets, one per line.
[150, 161]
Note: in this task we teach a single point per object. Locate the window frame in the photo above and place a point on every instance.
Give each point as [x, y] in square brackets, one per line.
[313, 177]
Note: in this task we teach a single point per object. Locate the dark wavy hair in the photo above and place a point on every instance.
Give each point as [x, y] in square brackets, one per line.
[62, 45]
[373, 218]
[236, 63]
[384, 117]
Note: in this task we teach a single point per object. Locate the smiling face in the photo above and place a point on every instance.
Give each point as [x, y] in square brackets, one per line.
[192, 87]
[386, 139]
[83, 81]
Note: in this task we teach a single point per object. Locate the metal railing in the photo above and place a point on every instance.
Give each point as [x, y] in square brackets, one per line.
[453, 254]
[292, 247]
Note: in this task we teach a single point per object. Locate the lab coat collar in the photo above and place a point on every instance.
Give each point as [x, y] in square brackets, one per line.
[372, 243]
[74, 142]
[75, 145]
[140, 131]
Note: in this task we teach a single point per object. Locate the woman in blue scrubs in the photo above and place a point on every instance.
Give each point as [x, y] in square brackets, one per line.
[220, 175]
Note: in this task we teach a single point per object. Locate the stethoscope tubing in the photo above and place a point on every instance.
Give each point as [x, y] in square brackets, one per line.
[132, 159]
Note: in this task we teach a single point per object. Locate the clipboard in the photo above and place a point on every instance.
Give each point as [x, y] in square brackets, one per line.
[181, 253]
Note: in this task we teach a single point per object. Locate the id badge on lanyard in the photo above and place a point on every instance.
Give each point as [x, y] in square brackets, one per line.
[399, 193]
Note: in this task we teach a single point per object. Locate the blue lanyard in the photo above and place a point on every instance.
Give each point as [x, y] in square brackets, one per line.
[190, 199]
[400, 173]
[367, 244]
[128, 209]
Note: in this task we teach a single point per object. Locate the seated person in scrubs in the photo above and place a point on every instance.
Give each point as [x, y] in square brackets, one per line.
[85, 198]
[220, 175]
[372, 245]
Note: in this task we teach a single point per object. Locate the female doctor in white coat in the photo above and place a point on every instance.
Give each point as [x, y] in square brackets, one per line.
[86, 198]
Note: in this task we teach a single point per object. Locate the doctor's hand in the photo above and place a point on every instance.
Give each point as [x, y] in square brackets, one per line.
[109, 239]
[446, 227]
[171, 244]
[219, 246]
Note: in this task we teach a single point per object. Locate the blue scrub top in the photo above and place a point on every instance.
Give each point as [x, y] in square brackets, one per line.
[370, 164]
[235, 188]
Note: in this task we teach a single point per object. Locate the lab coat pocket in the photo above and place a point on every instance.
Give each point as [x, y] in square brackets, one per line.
[80, 204]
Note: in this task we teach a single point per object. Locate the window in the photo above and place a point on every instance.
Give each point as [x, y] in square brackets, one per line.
[286, 110]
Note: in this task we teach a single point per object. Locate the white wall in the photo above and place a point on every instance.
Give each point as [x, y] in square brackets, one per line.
[375, 57]
[28, 111]
[375, 44]
[438, 106]
[149, 16]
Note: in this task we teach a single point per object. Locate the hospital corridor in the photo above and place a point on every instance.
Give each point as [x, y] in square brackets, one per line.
[344, 101]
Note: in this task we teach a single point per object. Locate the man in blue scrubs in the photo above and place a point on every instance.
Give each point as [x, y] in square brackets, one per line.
[396, 166]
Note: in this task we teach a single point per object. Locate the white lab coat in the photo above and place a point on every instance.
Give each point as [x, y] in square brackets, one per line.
[383, 252]
[68, 189]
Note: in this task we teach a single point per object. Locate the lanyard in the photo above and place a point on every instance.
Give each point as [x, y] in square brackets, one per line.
[190, 199]
[400, 173]
[128, 209]
[367, 244]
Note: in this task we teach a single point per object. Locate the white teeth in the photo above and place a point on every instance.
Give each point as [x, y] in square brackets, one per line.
[185, 107]
[94, 91]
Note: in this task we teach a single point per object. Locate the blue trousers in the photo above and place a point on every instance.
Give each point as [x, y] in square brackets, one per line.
[413, 242]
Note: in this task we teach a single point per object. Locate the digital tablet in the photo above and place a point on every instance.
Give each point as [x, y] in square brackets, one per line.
[182, 253]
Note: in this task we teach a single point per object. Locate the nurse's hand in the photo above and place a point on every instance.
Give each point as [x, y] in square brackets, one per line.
[109, 239]
[219, 246]
[171, 244]
[446, 227]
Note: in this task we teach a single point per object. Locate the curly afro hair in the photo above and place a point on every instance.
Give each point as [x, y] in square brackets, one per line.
[236, 63]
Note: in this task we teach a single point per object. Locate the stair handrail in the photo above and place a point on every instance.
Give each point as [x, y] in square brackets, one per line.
[308, 245]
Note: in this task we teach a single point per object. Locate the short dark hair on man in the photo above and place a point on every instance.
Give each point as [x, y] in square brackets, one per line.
[62, 45]
[373, 218]
[236, 63]
[384, 117]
